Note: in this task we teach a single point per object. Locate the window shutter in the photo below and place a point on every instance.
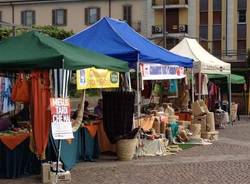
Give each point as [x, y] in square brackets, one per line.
[65, 17]
[86, 16]
[129, 15]
[53, 17]
[98, 15]
[33, 17]
[23, 22]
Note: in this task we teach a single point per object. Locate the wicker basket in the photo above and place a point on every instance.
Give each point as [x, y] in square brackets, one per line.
[125, 149]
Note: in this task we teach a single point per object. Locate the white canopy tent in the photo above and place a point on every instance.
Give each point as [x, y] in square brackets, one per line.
[204, 62]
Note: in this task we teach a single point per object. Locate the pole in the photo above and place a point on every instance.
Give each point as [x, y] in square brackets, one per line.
[109, 8]
[13, 19]
[192, 83]
[138, 88]
[230, 98]
[199, 95]
[164, 24]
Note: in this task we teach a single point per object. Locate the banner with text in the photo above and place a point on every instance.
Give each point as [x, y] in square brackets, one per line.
[160, 72]
[96, 78]
[61, 124]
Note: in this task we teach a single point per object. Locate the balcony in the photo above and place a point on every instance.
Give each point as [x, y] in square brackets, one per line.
[181, 28]
[157, 4]
[233, 56]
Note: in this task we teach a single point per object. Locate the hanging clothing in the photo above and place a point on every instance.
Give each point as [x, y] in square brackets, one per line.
[8, 105]
[41, 117]
[204, 83]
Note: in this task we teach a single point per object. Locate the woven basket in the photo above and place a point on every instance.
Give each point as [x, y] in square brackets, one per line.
[125, 149]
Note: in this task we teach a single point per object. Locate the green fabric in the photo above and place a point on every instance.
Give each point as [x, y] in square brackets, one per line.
[174, 129]
[33, 50]
[18, 162]
[235, 79]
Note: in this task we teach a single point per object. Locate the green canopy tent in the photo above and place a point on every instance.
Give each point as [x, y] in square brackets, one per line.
[34, 50]
[235, 79]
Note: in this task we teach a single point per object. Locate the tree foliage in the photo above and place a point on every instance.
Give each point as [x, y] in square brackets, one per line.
[52, 31]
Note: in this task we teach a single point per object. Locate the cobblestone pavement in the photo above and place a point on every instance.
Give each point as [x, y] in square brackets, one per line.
[227, 161]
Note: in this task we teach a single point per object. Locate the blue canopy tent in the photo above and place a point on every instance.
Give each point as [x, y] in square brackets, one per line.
[117, 39]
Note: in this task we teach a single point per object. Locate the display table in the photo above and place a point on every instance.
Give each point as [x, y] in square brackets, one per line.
[16, 159]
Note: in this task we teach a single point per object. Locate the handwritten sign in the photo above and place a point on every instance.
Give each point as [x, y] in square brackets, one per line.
[61, 125]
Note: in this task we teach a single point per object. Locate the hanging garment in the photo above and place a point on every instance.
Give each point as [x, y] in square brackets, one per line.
[204, 88]
[8, 105]
[173, 87]
[41, 117]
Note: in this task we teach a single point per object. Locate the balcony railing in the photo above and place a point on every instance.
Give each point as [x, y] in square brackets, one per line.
[234, 55]
[137, 26]
[169, 2]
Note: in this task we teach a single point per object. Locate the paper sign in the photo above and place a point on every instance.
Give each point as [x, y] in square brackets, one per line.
[96, 78]
[61, 125]
[161, 72]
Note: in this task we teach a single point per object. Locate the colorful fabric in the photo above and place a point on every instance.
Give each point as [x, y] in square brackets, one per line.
[92, 129]
[7, 102]
[40, 116]
[11, 141]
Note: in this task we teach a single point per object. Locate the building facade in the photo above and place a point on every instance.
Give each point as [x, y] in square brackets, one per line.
[72, 14]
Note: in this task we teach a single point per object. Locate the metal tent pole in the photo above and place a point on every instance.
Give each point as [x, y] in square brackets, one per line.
[199, 97]
[192, 83]
[230, 98]
[138, 88]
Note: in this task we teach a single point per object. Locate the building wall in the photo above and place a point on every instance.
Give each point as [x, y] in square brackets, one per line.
[75, 11]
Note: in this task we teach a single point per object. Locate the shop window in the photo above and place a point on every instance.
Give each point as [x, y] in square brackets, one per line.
[28, 18]
[92, 15]
[59, 17]
[127, 14]
[242, 16]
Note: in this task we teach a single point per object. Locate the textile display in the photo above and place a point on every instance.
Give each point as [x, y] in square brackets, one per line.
[104, 143]
[41, 117]
[12, 141]
[204, 84]
[6, 104]
[18, 162]
[21, 90]
[118, 113]
[156, 147]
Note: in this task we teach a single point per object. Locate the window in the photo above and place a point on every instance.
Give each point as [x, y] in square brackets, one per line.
[59, 17]
[217, 17]
[28, 18]
[242, 16]
[92, 15]
[204, 5]
[127, 14]
[217, 5]
[242, 4]
[203, 18]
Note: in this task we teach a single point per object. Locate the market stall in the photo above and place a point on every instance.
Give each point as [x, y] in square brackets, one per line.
[45, 64]
[117, 39]
[204, 63]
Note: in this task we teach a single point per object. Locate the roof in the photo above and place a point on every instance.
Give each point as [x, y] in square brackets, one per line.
[117, 39]
[204, 62]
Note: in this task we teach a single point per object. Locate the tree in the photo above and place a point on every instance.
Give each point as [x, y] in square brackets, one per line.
[52, 31]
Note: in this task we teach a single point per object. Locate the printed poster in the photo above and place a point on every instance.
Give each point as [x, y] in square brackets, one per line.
[61, 124]
[96, 78]
[161, 72]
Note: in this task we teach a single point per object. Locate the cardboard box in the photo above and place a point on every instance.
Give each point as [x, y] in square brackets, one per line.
[61, 176]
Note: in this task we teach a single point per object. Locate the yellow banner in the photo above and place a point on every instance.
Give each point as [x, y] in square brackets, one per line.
[96, 78]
